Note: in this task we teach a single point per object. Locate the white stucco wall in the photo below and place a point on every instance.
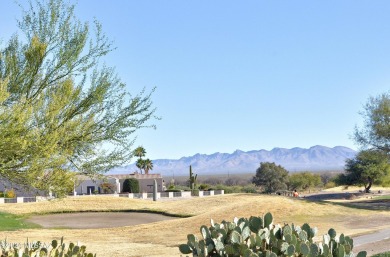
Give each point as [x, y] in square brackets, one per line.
[88, 186]
[146, 185]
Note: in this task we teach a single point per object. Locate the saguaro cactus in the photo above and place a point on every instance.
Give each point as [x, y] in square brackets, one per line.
[192, 179]
[155, 190]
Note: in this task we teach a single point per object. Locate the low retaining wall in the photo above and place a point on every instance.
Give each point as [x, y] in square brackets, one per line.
[28, 199]
[160, 195]
[167, 195]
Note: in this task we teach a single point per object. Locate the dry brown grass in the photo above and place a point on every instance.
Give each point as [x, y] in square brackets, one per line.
[162, 238]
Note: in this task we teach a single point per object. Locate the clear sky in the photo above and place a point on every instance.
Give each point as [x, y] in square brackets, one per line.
[245, 75]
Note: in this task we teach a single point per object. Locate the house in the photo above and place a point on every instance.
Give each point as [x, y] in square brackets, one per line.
[87, 185]
[146, 181]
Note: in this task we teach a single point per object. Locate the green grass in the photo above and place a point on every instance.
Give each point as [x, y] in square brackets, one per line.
[386, 254]
[9, 222]
[383, 197]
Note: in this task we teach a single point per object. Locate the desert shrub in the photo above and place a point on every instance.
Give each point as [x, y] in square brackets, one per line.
[171, 184]
[107, 188]
[330, 184]
[304, 181]
[235, 189]
[34, 249]
[182, 188]
[228, 189]
[130, 185]
[238, 181]
[258, 236]
[204, 187]
[232, 181]
[195, 192]
[249, 189]
[213, 181]
[173, 190]
[181, 182]
[10, 194]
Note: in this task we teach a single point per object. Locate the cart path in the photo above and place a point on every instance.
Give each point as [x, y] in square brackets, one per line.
[371, 238]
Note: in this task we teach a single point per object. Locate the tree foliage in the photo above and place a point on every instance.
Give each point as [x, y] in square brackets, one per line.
[271, 177]
[147, 165]
[142, 164]
[60, 109]
[367, 168]
[371, 165]
[304, 181]
[375, 133]
[130, 185]
[139, 152]
[108, 188]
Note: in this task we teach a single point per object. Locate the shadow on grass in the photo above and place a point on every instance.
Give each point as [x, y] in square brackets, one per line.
[373, 205]
[125, 210]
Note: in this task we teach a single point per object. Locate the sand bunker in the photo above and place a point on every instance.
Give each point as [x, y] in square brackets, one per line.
[96, 219]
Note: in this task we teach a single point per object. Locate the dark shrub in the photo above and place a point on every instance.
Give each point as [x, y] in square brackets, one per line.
[173, 190]
[130, 185]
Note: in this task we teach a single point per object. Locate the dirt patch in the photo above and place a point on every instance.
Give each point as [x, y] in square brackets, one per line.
[96, 219]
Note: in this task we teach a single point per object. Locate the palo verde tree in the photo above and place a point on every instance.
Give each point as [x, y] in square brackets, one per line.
[60, 109]
[271, 177]
[375, 133]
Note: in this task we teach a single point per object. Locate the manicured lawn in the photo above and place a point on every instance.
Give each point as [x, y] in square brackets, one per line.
[14, 222]
[384, 197]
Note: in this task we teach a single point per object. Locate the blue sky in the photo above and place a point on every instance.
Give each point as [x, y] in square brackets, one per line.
[245, 75]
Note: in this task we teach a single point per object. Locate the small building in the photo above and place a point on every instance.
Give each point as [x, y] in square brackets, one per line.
[146, 181]
[86, 185]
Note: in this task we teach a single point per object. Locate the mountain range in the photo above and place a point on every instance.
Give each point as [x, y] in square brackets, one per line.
[316, 158]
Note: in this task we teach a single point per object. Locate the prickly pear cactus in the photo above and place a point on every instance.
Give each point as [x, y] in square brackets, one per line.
[38, 249]
[259, 237]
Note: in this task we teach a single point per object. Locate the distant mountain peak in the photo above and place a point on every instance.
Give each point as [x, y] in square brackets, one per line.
[315, 158]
